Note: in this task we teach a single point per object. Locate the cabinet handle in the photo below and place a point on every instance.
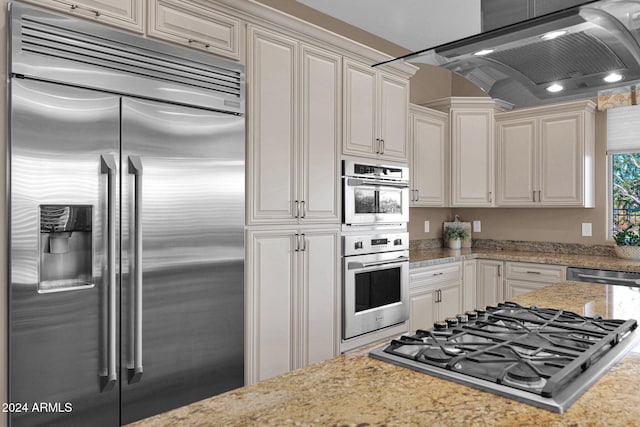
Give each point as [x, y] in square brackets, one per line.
[539, 195]
[297, 244]
[439, 295]
[534, 272]
[377, 145]
[417, 195]
[81, 8]
[499, 270]
[297, 202]
[304, 243]
[205, 44]
[490, 197]
[304, 209]
[534, 195]
[382, 146]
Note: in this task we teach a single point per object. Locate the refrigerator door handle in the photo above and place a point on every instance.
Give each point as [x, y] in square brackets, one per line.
[135, 169]
[108, 167]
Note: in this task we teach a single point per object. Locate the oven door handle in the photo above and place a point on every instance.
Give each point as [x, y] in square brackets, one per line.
[356, 182]
[352, 265]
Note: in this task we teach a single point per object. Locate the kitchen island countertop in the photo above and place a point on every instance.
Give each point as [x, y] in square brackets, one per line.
[356, 390]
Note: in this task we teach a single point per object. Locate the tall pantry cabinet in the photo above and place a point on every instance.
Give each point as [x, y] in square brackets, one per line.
[293, 160]
[297, 87]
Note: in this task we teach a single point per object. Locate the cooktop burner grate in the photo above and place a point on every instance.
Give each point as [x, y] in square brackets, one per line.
[531, 350]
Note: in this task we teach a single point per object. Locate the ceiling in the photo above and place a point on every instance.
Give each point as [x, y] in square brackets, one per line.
[413, 24]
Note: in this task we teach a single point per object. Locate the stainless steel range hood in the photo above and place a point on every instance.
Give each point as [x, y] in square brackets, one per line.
[568, 54]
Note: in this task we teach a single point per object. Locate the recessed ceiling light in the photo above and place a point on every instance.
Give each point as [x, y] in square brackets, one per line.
[483, 52]
[555, 88]
[613, 77]
[553, 34]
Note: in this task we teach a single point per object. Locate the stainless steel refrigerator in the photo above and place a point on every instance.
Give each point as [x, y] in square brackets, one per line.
[126, 224]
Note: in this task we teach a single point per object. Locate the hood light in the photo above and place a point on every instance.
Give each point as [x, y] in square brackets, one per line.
[555, 88]
[483, 52]
[613, 77]
[553, 34]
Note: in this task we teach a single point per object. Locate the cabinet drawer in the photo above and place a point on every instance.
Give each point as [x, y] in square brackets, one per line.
[419, 278]
[195, 25]
[531, 272]
[127, 14]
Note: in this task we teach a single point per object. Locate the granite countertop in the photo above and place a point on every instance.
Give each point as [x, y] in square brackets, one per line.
[425, 257]
[356, 390]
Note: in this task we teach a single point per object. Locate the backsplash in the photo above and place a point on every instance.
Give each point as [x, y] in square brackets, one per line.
[523, 246]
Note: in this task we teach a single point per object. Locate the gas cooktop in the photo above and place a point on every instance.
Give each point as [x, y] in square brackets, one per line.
[541, 356]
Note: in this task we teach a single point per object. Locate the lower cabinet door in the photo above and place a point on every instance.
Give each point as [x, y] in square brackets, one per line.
[422, 311]
[450, 303]
[272, 269]
[489, 282]
[320, 276]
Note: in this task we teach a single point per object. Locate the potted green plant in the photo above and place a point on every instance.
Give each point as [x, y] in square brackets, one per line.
[627, 238]
[455, 235]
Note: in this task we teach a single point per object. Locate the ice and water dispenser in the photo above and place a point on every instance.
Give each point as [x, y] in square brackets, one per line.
[65, 248]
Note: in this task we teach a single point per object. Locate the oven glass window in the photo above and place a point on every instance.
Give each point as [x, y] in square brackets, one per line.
[377, 288]
[390, 201]
[365, 200]
[382, 201]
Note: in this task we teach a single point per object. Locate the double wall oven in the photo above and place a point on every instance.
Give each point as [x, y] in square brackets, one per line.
[375, 247]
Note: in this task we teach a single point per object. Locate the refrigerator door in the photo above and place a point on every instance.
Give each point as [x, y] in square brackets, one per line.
[63, 145]
[182, 255]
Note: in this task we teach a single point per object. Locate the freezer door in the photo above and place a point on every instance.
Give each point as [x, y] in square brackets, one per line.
[63, 146]
[182, 255]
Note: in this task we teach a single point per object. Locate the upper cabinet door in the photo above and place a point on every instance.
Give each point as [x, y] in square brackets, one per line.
[472, 153]
[394, 113]
[562, 159]
[376, 108]
[272, 69]
[360, 98]
[429, 157]
[320, 135]
[127, 14]
[195, 25]
[516, 158]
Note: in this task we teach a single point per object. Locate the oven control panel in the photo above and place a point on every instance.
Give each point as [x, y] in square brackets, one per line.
[374, 243]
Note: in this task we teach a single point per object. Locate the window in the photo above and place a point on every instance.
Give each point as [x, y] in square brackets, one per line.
[623, 148]
[625, 189]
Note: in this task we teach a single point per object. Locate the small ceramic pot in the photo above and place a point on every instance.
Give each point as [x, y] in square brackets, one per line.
[455, 243]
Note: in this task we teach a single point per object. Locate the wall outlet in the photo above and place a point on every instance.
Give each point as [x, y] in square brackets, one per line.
[477, 228]
[426, 226]
[586, 229]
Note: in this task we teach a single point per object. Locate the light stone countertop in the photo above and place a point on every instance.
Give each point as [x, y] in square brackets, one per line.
[356, 390]
[426, 257]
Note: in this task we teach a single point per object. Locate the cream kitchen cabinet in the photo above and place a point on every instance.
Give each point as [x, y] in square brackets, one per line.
[471, 130]
[545, 156]
[435, 293]
[469, 269]
[293, 278]
[376, 108]
[489, 282]
[522, 277]
[293, 131]
[126, 14]
[197, 25]
[429, 157]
